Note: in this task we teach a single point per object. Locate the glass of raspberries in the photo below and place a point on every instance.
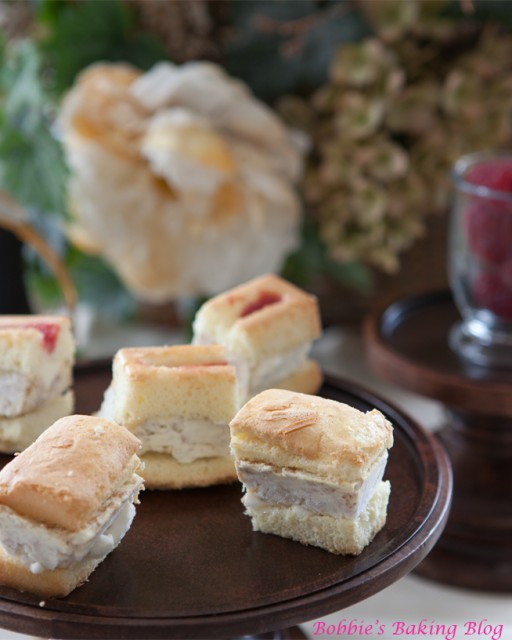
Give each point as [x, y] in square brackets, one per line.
[481, 258]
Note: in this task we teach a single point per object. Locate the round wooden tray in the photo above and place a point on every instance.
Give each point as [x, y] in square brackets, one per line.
[407, 342]
[191, 567]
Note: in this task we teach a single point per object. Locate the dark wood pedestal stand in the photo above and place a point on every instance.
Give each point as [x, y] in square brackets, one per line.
[191, 566]
[407, 343]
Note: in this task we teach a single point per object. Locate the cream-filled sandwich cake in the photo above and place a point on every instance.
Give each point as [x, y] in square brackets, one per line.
[65, 503]
[178, 401]
[18, 432]
[36, 363]
[36, 355]
[312, 469]
[268, 326]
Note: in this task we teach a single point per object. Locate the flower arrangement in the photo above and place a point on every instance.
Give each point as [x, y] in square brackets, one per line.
[389, 94]
[398, 109]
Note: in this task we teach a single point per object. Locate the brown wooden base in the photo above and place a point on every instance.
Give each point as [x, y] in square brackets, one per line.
[460, 569]
[407, 344]
[475, 550]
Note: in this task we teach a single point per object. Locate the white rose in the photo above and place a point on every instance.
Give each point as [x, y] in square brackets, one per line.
[180, 178]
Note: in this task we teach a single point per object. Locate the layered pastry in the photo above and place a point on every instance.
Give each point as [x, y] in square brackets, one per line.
[65, 503]
[18, 432]
[312, 469]
[178, 401]
[36, 356]
[268, 326]
[36, 362]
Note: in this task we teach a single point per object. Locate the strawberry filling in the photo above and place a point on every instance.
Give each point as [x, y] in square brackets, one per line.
[204, 364]
[265, 299]
[49, 332]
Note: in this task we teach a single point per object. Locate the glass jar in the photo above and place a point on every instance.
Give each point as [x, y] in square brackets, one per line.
[480, 258]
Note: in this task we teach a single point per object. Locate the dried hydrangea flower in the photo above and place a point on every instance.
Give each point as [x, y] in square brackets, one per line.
[392, 19]
[359, 116]
[398, 109]
[414, 110]
[361, 64]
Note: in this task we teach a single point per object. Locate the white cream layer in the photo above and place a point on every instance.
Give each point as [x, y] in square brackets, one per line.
[15, 391]
[29, 374]
[20, 394]
[264, 373]
[378, 500]
[275, 368]
[42, 547]
[185, 440]
[19, 432]
[291, 487]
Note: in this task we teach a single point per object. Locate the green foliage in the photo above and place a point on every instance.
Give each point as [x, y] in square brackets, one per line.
[32, 167]
[33, 73]
[80, 33]
[33, 171]
[96, 284]
[23, 96]
[285, 47]
[497, 10]
[311, 260]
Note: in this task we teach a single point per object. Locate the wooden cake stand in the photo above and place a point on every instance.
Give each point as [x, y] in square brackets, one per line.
[191, 567]
[407, 343]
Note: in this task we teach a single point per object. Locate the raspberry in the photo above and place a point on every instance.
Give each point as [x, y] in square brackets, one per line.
[489, 230]
[495, 174]
[506, 273]
[489, 292]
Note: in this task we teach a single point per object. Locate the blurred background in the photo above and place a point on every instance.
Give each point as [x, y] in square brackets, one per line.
[371, 103]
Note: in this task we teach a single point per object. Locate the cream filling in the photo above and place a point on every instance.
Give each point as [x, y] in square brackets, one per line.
[14, 392]
[241, 364]
[20, 394]
[185, 440]
[291, 487]
[377, 502]
[19, 432]
[45, 548]
[275, 368]
[255, 377]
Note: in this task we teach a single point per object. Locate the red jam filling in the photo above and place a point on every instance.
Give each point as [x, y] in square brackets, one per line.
[203, 364]
[265, 299]
[49, 332]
